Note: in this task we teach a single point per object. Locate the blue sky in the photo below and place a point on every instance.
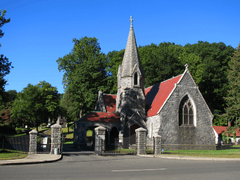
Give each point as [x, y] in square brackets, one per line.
[41, 31]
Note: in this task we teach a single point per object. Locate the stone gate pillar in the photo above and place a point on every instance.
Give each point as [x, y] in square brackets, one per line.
[141, 140]
[55, 139]
[158, 142]
[33, 142]
[99, 139]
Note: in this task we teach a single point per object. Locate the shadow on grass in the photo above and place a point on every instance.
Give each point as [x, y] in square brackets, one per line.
[6, 151]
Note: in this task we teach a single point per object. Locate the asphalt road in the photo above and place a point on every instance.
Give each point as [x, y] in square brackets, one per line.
[75, 166]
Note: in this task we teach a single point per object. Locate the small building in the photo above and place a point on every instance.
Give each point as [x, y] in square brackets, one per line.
[218, 130]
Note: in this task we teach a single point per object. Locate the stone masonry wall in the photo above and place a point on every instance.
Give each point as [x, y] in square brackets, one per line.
[176, 136]
[153, 121]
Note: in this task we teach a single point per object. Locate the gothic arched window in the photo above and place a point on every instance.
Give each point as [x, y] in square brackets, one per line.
[135, 79]
[186, 113]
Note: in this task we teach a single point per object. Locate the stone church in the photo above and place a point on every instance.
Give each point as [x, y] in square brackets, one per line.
[174, 109]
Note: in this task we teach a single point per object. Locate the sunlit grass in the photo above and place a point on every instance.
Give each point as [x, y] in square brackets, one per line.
[68, 135]
[225, 153]
[6, 154]
[89, 133]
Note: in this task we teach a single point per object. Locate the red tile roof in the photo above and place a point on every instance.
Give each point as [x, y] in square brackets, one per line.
[157, 94]
[110, 102]
[102, 117]
[221, 129]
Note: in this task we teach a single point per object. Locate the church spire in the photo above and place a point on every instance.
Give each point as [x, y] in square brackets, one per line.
[131, 58]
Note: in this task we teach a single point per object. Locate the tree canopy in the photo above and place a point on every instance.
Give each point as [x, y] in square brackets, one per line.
[233, 98]
[208, 64]
[5, 65]
[36, 103]
[84, 73]
[213, 84]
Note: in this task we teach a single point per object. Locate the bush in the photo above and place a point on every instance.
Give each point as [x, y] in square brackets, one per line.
[7, 129]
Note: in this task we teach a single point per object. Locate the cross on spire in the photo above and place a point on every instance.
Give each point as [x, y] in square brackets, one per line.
[131, 19]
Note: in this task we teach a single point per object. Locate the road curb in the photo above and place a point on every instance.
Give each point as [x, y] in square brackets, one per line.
[191, 158]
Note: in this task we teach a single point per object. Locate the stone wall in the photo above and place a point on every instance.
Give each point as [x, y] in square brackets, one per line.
[187, 147]
[153, 125]
[199, 135]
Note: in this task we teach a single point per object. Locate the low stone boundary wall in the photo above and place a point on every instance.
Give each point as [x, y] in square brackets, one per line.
[187, 147]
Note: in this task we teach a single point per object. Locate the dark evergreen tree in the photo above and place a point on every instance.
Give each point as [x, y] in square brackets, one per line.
[5, 65]
[213, 84]
[233, 98]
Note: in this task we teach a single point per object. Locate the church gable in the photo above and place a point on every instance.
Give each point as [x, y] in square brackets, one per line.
[186, 116]
[187, 87]
[187, 79]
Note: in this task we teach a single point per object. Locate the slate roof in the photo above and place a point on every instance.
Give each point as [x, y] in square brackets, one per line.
[110, 102]
[157, 95]
[101, 117]
[221, 129]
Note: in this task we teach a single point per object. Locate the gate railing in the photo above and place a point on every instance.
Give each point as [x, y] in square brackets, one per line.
[20, 143]
[44, 145]
[127, 147]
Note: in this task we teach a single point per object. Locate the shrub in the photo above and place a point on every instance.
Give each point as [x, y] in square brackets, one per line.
[7, 129]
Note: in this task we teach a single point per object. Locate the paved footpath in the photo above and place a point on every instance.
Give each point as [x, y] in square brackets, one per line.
[47, 158]
[32, 159]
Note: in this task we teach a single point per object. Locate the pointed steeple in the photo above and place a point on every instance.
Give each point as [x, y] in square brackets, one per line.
[131, 58]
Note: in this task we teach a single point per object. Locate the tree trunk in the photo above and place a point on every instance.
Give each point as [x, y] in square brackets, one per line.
[68, 127]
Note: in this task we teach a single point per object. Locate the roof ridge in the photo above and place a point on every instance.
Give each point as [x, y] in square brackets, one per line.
[164, 81]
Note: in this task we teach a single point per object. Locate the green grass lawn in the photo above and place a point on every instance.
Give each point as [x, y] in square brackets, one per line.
[124, 151]
[225, 153]
[89, 133]
[68, 136]
[6, 154]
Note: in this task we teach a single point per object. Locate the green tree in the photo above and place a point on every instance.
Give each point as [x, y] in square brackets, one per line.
[160, 62]
[5, 117]
[84, 72]
[213, 82]
[233, 98]
[35, 104]
[5, 65]
[195, 64]
[114, 59]
[219, 120]
[68, 108]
